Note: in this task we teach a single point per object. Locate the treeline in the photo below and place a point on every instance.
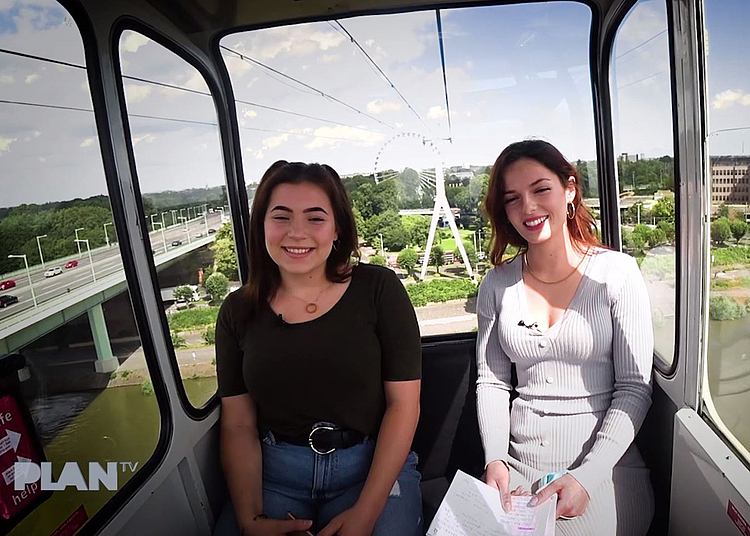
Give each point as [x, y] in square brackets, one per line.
[20, 226]
[646, 176]
[158, 202]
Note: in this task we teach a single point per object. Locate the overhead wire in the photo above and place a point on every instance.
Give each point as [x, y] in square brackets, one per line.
[322, 93]
[379, 70]
[186, 89]
[445, 79]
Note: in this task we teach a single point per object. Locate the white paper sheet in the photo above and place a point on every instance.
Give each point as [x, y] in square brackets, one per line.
[472, 508]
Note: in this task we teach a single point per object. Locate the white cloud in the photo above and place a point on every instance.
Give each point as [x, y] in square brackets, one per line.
[5, 144]
[379, 106]
[135, 93]
[259, 155]
[330, 58]
[438, 112]
[134, 41]
[37, 133]
[250, 113]
[7, 79]
[31, 78]
[236, 66]
[196, 82]
[370, 42]
[148, 138]
[88, 142]
[361, 138]
[274, 141]
[728, 98]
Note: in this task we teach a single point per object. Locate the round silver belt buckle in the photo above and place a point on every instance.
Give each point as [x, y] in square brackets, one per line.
[310, 440]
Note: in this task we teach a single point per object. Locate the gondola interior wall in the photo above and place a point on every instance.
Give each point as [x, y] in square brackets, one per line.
[133, 138]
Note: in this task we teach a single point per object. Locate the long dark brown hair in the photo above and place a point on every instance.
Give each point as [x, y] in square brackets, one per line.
[265, 279]
[582, 226]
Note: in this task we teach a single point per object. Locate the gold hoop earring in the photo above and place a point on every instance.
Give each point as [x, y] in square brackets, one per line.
[571, 211]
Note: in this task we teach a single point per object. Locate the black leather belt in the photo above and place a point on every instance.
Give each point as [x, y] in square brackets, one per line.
[325, 439]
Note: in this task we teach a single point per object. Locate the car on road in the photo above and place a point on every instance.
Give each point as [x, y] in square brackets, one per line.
[211, 231]
[71, 264]
[198, 235]
[176, 243]
[53, 272]
[8, 283]
[8, 299]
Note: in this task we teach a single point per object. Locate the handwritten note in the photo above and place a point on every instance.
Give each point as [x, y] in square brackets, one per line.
[472, 508]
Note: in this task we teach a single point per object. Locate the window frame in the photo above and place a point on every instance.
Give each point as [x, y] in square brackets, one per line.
[666, 370]
[594, 30]
[122, 25]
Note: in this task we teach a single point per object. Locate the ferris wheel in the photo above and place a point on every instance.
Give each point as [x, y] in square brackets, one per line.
[421, 154]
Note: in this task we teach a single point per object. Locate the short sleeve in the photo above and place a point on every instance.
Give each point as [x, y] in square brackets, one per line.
[398, 330]
[228, 351]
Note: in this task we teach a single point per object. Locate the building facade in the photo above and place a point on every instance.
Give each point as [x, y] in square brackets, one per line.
[730, 180]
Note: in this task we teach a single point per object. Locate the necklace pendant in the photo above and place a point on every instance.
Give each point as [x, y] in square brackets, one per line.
[311, 308]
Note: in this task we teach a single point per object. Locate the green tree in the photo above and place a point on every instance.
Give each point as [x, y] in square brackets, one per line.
[217, 285]
[471, 253]
[225, 255]
[359, 222]
[407, 260]
[418, 228]
[720, 230]
[669, 230]
[738, 228]
[377, 260]
[656, 237]
[437, 257]
[664, 208]
[183, 292]
[723, 211]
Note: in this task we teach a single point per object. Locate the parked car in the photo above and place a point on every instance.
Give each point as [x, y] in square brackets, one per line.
[8, 299]
[8, 283]
[176, 243]
[71, 264]
[53, 272]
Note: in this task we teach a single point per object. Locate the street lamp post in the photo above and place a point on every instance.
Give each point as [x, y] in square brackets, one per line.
[205, 221]
[91, 261]
[77, 242]
[187, 229]
[153, 226]
[181, 216]
[163, 239]
[382, 248]
[106, 237]
[39, 245]
[28, 274]
[162, 217]
[174, 221]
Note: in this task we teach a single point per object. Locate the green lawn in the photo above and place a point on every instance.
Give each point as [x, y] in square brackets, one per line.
[449, 244]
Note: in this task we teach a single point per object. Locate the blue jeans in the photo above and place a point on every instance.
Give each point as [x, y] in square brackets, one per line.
[320, 487]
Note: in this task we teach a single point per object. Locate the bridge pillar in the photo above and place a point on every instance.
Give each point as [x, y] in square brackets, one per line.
[105, 359]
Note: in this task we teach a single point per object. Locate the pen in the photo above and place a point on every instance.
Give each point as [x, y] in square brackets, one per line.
[305, 532]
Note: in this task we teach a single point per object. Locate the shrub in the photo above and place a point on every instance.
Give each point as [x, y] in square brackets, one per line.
[177, 340]
[377, 260]
[209, 335]
[656, 237]
[440, 290]
[725, 308]
[407, 260]
[720, 231]
[217, 285]
[147, 388]
[731, 256]
[738, 228]
[183, 292]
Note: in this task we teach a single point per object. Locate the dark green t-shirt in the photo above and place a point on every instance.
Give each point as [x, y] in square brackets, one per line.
[329, 369]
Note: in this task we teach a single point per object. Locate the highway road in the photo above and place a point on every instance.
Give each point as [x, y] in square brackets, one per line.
[105, 262]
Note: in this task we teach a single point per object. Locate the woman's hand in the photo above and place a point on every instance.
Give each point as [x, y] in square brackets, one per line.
[497, 475]
[275, 527]
[572, 497]
[356, 521]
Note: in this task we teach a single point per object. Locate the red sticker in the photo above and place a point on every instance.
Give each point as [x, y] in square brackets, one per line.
[16, 445]
[76, 520]
[736, 516]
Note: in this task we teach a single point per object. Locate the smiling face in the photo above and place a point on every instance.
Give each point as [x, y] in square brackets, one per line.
[535, 200]
[299, 228]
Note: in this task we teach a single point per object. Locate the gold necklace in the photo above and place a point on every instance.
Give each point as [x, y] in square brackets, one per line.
[531, 273]
[311, 306]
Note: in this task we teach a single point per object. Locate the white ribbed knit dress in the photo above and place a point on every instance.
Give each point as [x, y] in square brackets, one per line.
[583, 385]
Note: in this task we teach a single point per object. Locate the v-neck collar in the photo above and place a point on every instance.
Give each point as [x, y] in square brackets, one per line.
[524, 306]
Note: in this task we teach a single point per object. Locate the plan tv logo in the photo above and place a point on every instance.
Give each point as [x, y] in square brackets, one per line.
[28, 476]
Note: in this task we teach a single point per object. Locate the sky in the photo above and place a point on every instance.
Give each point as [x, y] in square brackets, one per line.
[512, 72]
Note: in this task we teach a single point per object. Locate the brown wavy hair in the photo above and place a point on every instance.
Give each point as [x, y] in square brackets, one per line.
[582, 226]
[264, 279]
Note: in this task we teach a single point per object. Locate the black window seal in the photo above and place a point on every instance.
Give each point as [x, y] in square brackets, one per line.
[166, 425]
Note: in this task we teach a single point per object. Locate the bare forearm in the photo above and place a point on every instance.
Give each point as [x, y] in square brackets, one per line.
[241, 459]
[394, 443]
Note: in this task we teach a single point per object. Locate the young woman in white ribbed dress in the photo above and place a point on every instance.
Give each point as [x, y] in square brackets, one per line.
[574, 318]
